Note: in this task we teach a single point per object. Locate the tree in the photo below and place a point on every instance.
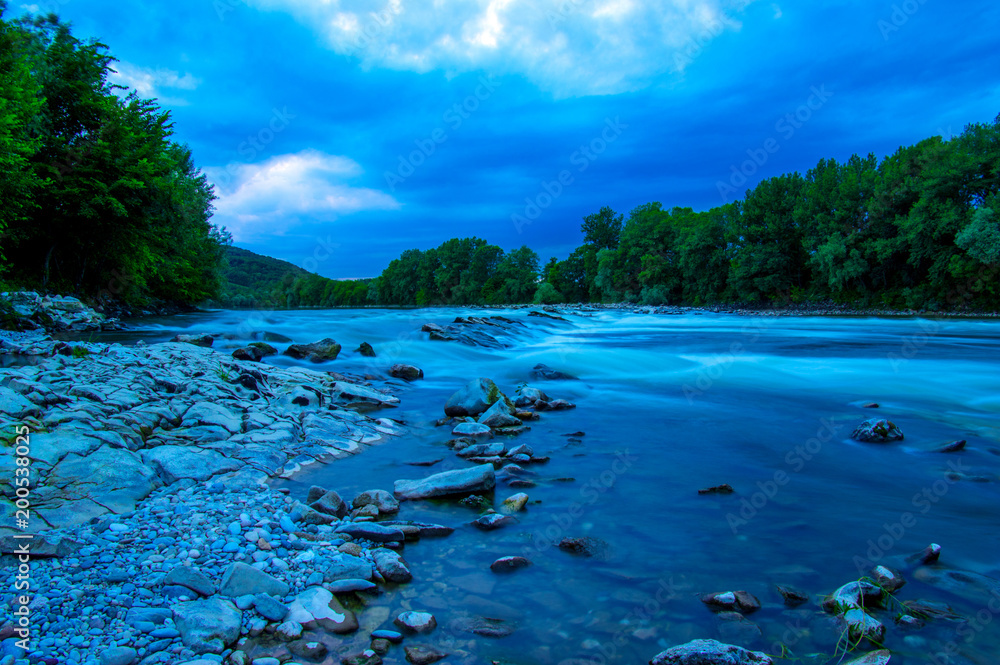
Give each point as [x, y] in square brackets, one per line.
[602, 229]
[19, 104]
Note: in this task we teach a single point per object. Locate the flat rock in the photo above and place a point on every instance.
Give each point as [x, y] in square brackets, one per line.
[480, 478]
[242, 580]
[119, 656]
[345, 566]
[471, 429]
[192, 579]
[372, 531]
[173, 463]
[207, 626]
[710, 652]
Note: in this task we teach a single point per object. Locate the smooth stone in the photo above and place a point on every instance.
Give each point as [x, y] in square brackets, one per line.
[391, 635]
[119, 656]
[208, 625]
[269, 608]
[192, 579]
[461, 481]
[241, 579]
[422, 654]
[350, 585]
[391, 566]
[371, 531]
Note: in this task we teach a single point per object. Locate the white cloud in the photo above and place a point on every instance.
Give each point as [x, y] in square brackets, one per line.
[570, 47]
[268, 198]
[150, 83]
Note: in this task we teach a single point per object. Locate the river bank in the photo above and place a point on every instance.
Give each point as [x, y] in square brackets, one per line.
[636, 606]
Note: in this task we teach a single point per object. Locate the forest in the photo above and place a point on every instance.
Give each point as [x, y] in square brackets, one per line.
[97, 199]
[919, 229]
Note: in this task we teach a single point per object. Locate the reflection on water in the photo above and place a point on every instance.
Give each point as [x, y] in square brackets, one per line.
[670, 405]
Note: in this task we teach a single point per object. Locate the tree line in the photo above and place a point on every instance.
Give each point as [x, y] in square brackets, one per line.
[919, 229]
[97, 198]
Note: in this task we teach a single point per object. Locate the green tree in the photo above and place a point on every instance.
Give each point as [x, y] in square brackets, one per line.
[602, 229]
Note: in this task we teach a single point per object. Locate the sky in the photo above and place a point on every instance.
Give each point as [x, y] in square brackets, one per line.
[339, 133]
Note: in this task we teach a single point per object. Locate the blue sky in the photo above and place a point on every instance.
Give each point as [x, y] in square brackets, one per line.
[341, 132]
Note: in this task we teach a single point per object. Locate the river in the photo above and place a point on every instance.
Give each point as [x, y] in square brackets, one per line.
[670, 404]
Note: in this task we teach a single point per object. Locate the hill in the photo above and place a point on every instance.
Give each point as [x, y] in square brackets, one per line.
[252, 280]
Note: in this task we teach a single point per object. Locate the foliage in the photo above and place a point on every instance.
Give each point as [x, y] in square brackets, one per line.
[98, 200]
[252, 281]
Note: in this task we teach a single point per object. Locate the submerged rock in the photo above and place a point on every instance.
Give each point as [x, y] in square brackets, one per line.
[877, 430]
[743, 602]
[462, 481]
[585, 546]
[710, 652]
[953, 447]
[545, 373]
[725, 488]
[366, 350]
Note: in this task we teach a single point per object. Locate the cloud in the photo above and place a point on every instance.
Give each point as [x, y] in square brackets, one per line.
[275, 195]
[568, 47]
[150, 83]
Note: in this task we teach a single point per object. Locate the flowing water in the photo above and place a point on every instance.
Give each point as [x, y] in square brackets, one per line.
[670, 404]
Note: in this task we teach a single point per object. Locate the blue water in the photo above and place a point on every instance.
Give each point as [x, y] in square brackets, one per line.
[671, 404]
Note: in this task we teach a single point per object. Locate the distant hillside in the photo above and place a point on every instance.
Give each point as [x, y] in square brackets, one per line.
[252, 281]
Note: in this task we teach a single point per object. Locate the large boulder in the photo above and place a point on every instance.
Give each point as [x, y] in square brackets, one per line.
[475, 398]
[877, 430]
[208, 626]
[317, 352]
[461, 481]
[710, 652]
